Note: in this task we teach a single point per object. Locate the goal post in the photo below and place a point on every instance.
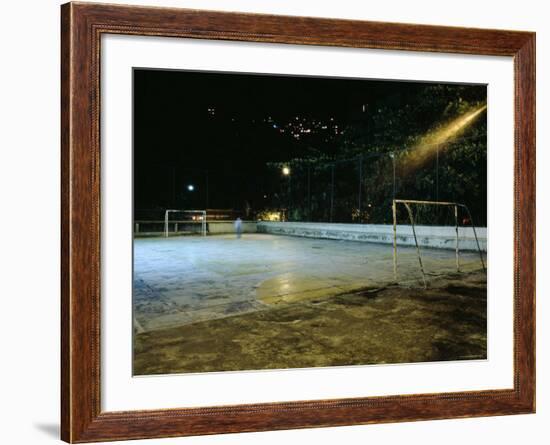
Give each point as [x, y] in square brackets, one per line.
[201, 214]
[407, 204]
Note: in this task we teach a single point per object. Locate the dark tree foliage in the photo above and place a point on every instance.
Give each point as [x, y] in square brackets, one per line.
[363, 169]
[230, 134]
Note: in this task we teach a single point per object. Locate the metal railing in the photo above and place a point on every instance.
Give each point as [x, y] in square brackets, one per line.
[167, 217]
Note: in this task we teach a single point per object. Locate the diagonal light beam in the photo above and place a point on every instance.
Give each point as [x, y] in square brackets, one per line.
[425, 149]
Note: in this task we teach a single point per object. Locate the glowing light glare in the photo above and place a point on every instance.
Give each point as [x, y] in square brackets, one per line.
[428, 145]
[286, 171]
[269, 215]
[190, 187]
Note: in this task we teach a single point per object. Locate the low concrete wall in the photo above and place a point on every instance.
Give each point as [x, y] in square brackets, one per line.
[441, 237]
[215, 227]
[156, 228]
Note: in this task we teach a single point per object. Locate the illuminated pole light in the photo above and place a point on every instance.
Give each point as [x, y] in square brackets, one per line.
[190, 187]
[286, 171]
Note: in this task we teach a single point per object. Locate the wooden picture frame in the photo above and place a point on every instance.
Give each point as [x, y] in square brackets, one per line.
[82, 25]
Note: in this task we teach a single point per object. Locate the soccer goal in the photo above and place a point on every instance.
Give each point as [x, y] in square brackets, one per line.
[187, 218]
[455, 206]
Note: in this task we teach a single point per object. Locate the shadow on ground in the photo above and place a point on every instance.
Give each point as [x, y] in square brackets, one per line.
[49, 429]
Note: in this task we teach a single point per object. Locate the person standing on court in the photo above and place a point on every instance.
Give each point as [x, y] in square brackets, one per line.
[238, 226]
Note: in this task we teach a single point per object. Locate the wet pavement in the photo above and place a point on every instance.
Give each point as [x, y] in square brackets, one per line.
[395, 324]
[183, 280]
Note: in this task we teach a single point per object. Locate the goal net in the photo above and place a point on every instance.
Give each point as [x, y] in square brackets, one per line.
[432, 223]
[184, 222]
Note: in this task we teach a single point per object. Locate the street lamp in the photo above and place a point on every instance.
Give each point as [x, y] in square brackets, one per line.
[190, 187]
[286, 171]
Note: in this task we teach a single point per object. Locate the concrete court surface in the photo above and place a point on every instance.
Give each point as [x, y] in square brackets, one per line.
[274, 302]
[182, 280]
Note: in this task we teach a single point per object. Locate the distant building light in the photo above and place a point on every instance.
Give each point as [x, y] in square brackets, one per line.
[286, 171]
[190, 187]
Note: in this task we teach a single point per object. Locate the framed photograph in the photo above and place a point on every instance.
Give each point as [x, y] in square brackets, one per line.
[274, 222]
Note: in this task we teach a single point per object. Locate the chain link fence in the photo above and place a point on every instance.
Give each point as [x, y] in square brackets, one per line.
[360, 189]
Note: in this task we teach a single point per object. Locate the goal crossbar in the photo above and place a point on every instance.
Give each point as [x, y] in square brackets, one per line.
[167, 216]
[407, 203]
[439, 203]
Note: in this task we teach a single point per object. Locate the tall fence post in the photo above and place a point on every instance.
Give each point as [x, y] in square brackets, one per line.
[331, 192]
[360, 186]
[437, 173]
[392, 155]
[207, 190]
[289, 194]
[309, 192]
[394, 240]
[456, 247]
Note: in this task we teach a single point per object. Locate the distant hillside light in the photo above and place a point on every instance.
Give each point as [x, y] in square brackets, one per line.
[286, 171]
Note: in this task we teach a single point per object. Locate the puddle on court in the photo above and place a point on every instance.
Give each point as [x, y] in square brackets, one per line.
[290, 287]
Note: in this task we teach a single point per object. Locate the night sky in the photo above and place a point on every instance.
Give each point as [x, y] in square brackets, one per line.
[218, 131]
